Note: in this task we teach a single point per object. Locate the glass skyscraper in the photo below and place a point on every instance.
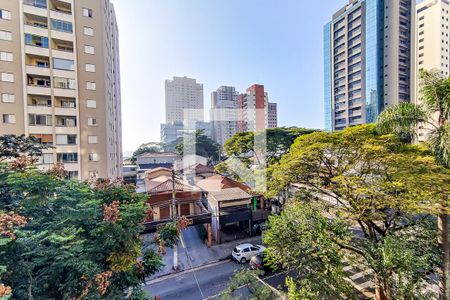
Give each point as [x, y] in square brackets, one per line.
[367, 57]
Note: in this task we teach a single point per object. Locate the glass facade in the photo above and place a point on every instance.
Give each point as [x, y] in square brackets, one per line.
[327, 79]
[374, 58]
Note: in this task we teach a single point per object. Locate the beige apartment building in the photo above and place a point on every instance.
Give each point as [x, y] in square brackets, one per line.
[432, 43]
[60, 82]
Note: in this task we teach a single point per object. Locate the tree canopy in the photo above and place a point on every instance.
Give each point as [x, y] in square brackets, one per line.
[204, 146]
[12, 146]
[65, 239]
[277, 141]
[375, 194]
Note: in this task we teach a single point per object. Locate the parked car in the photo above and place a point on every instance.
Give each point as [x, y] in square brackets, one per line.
[257, 262]
[244, 252]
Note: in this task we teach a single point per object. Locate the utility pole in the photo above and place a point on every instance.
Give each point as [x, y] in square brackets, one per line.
[174, 217]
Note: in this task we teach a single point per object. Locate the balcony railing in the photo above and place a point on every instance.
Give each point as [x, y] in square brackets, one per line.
[37, 65]
[36, 3]
[37, 25]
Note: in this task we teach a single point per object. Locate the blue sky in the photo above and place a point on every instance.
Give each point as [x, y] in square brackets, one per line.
[277, 43]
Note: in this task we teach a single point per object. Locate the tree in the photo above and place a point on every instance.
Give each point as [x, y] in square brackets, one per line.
[434, 114]
[248, 279]
[278, 142]
[12, 146]
[204, 146]
[301, 239]
[81, 240]
[370, 184]
[147, 148]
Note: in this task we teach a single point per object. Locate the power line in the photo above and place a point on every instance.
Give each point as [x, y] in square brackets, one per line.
[190, 265]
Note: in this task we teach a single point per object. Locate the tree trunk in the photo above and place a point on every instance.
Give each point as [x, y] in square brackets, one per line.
[443, 245]
[382, 291]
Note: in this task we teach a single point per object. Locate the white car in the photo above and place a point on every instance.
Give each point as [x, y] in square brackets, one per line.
[244, 252]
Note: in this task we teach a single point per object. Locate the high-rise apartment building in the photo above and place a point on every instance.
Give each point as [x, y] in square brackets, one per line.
[223, 114]
[432, 44]
[184, 105]
[253, 110]
[60, 82]
[369, 53]
[272, 116]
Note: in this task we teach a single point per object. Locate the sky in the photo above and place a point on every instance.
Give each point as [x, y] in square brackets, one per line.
[277, 43]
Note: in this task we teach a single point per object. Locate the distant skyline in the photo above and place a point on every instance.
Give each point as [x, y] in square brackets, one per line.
[277, 43]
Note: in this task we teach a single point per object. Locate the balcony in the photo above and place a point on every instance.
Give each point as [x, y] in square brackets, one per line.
[63, 36]
[39, 129]
[38, 85]
[66, 111]
[39, 110]
[37, 70]
[60, 15]
[35, 7]
[36, 50]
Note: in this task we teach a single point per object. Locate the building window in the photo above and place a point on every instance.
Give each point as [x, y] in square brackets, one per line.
[44, 139]
[93, 157]
[47, 159]
[7, 77]
[88, 31]
[61, 26]
[91, 104]
[5, 35]
[9, 119]
[40, 120]
[89, 50]
[68, 103]
[8, 98]
[92, 139]
[90, 68]
[6, 56]
[66, 122]
[67, 157]
[64, 83]
[66, 139]
[5, 14]
[35, 40]
[87, 12]
[63, 64]
[91, 86]
[92, 121]
[93, 174]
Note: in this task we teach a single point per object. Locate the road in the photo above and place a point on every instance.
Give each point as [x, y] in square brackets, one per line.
[212, 280]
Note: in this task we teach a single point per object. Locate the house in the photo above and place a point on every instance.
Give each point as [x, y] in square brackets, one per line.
[258, 208]
[197, 172]
[219, 182]
[231, 214]
[152, 160]
[129, 173]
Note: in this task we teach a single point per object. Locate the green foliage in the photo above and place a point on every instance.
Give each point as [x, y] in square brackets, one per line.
[69, 240]
[12, 146]
[302, 240]
[168, 233]
[369, 182]
[434, 113]
[248, 279]
[204, 146]
[278, 142]
[146, 148]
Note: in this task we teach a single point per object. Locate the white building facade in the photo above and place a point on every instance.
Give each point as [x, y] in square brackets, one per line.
[223, 114]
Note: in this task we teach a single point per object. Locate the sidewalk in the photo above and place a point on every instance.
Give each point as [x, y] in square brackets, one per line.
[197, 253]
